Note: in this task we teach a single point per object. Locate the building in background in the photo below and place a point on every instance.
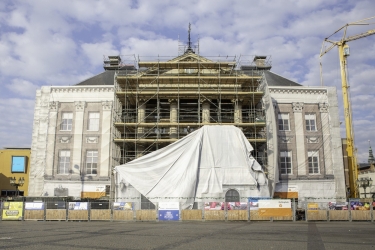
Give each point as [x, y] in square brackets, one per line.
[139, 105]
[14, 163]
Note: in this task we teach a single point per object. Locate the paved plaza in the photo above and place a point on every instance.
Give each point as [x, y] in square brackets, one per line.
[186, 235]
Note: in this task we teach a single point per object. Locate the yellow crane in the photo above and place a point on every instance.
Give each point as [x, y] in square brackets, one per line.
[343, 54]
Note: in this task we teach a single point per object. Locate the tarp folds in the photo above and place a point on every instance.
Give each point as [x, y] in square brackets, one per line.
[204, 163]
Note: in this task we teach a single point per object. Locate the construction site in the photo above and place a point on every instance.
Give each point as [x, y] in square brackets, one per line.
[162, 99]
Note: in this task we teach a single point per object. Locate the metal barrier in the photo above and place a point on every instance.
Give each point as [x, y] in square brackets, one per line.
[354, 210]
[266, 210]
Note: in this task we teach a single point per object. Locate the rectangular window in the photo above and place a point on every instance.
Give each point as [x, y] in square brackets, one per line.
[18, 164]
[313, 159]
[67, 121]
[92, 162]
[93, 124]
[285, 162]
[310, 122]
[283, 121]
[64, 162]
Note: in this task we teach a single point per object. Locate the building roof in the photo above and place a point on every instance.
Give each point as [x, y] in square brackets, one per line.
[276, 80]
[106, 77]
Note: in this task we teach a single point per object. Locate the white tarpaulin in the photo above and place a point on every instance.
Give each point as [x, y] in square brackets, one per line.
[205, 163]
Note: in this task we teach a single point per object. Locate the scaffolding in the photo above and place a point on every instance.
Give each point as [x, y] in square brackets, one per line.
[159, 100]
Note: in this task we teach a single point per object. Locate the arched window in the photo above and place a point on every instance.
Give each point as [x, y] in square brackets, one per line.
[232, 195]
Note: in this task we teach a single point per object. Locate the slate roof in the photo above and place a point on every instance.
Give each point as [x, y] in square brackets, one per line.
[107, 78]
[104, 78]
[276, 80]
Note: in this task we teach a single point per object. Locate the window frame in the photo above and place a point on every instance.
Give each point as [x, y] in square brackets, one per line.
[66, 164]
[93, 124]
[284, 155]
[310, 118]
[311, 155]
[283, 121]
[65, 122]
[91, 162]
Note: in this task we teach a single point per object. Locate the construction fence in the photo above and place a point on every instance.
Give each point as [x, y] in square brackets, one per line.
[254, 210]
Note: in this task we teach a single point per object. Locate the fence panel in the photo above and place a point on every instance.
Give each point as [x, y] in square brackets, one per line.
[56, 214]
[317, 215]
[361, 215]
[100, 210]
[145, 215]
[56, 210]
[78, 211]
[339, 215]
[12, 210]
[123, 211]
[237, 215]
[254, 215]
[237, 211]
[194, 215]
[34, 211]
[214, 215]
[34, 214]
[214, 210]
[317, 211]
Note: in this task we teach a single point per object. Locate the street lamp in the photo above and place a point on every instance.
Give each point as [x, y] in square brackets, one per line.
[20, 183]
[364, 182]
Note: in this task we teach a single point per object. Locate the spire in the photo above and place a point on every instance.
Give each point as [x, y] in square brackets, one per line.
[189, 49]
[370, 154]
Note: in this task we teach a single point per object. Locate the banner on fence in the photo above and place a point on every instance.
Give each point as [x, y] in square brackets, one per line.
[77, 205]
[253, 202]
[12, 211]
[34, 205]
[213, 205]
[337, 205]
[122, 206]
[312, 207]
[169, 211]
[237, 205]
[356, 204]
[274, 208]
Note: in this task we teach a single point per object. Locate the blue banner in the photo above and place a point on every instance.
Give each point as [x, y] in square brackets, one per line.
[169, 214]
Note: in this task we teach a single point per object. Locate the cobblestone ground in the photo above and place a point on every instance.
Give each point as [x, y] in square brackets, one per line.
[186, 235]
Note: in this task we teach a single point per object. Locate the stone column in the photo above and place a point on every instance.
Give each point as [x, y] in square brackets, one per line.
[323, 108]
[173, 118]
[77, 137]
[205, 111]
[141, 115]
[237, 110]
[106, 122]
[299, 125]
[51, 138]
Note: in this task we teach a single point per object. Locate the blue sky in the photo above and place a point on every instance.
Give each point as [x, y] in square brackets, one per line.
[44, 42]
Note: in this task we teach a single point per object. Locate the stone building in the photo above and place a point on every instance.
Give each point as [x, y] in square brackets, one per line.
[134, 107]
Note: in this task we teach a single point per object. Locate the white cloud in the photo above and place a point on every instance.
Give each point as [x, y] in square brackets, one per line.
[16, 122]
[22, 87]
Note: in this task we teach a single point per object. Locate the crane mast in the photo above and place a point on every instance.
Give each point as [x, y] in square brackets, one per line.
[343, 54]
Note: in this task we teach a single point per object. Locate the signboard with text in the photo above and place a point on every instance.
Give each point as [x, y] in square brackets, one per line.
[275, 208]
[169, 211]
[12, 211]
[34, 206]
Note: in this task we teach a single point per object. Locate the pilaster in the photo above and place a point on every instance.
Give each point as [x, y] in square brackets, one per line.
[51, 140]
[105, 138]
[300, 137]
[78, 137]
[323, 108]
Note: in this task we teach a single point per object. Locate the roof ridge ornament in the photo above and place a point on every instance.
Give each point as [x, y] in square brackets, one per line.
[189, 49]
